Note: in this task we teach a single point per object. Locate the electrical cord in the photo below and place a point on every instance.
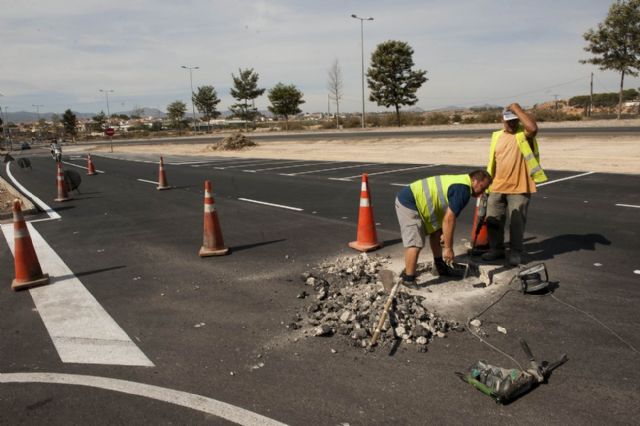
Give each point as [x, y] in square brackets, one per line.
[495, 302]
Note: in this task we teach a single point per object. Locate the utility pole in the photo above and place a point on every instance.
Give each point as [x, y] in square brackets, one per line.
[591, 97]
[193, 108]
[328, 106]
[362, 54]
[556, 96]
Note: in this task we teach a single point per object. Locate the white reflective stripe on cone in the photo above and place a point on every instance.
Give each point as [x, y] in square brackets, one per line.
[20, 233]
[209, 208]
[363, 186]
[364, 202]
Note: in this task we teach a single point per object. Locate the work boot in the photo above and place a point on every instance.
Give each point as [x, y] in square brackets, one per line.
[493, 254]
[445, 270]
[515, 258]
[409, 281]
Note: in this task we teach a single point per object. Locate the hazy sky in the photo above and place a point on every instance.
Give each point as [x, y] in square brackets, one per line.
[59, 53]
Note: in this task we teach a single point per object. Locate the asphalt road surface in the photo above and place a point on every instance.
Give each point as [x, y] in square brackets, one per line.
[206, 340]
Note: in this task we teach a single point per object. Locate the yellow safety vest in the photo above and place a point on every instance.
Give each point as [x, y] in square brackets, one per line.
[432, 200]
[531, 158]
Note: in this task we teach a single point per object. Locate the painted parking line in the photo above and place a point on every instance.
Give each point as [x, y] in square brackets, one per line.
[328, 170]
[37, 201]
[149, 181]
[184, 399]
[81, 330]
[563, 179]
[271, 204]
[292, 167]
[81, 167]
[261, 163]
[229, 160]
[389, 171]
[628, 205]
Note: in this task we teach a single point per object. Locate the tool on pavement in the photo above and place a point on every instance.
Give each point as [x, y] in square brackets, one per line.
[505, 385]
[531, 279]
[367, 239]
[390, 284]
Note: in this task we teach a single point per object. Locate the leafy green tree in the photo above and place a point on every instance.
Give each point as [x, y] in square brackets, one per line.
[206, 100]
[391, 79]
[285, 101]
[245, 88]
[175, 112]
[615, 44]
[69, 124]
[100, 119]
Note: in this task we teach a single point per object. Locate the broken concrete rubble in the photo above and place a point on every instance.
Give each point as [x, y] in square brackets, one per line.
[349, 301]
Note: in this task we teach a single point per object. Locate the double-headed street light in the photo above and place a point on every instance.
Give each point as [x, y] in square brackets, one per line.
[362, 53]
[193, 108]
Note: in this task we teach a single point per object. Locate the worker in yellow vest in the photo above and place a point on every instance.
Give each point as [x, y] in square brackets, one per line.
[514, 163]
[430, 206]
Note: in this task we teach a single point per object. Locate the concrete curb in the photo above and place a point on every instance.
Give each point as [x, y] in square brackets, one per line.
[28, 206]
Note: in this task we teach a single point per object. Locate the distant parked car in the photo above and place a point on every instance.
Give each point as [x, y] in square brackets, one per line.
[25, 145]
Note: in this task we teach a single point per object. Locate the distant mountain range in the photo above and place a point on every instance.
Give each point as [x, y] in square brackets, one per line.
[27, 116]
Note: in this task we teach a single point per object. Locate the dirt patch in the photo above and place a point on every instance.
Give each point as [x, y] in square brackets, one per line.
[234, 142]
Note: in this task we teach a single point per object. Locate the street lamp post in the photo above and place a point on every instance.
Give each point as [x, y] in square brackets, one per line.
[362, 54]
[193, 108]
[106, 95]
[37, 107]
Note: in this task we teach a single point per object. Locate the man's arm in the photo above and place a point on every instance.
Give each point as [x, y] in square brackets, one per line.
[448, 228]
[530, 126]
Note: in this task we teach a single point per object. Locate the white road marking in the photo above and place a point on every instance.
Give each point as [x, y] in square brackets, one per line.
[232, 160]
[37, 201]
[191, 163]
[399, 184]
[391, 171]
[261, 163]
[637, 271]
[341, 179]
[300, 165]
[565, 178]
[271, 204]
[81, 330]
[81, 167]
[184, 399]
[148, 181]
[327, 170]
[628, 205]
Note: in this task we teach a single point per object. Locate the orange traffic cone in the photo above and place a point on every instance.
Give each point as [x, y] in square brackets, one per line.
[28, 271]
[91, 170]
[212, 244]
[367, 239]
[481, 240]
[62, 188]
[162, 178]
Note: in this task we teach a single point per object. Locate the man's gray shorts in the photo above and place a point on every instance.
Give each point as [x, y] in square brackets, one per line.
[411, 226]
